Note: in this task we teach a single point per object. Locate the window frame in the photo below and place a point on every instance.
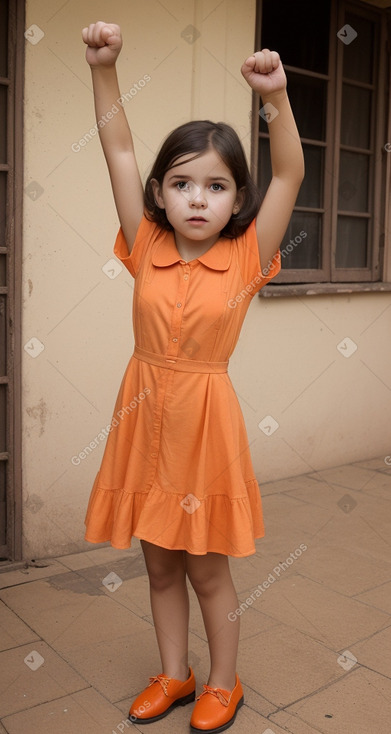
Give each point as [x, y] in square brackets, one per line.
[12, 291]
[327, 278]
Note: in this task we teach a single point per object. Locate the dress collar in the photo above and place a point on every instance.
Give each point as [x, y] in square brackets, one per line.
[218, 257]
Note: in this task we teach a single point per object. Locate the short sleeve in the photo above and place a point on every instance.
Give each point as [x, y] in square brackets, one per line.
[254, 275]
[143, 241]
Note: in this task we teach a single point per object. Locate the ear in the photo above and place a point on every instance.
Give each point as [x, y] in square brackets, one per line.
[238, 201]
[157, 193]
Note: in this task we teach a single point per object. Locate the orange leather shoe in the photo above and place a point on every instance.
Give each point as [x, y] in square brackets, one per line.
[160, 697]
[216, 709]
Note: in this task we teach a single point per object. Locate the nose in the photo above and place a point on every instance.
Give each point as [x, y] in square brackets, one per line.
[197, 197]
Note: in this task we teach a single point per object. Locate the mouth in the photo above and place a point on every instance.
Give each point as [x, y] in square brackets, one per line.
[197, 219]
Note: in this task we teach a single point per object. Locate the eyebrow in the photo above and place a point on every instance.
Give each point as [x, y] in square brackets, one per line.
[210, 178]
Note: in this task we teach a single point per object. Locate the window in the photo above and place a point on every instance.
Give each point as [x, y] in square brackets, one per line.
[334, 55]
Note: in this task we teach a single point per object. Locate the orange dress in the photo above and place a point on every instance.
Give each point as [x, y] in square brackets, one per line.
[177, 469]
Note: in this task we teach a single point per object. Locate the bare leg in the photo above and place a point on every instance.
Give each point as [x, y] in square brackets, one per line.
[211, 579]
[170, 607]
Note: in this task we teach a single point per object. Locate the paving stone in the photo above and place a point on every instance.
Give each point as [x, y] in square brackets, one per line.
[66, 618]
[32, 674]
[377, 464]
[319, 612]
[351, 529]
[291, 520]
[379, 597]
[347, 572]
[85, 711]
[96, 557]
[379, 486]
[134, 595]
[360, 703]
[13, 631]
[348, 475]
[375, 652]
[286, 665]
[287, 485]
[31, 573]
[120, 667]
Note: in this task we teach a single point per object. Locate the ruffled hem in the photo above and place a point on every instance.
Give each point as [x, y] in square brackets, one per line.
[217, 524]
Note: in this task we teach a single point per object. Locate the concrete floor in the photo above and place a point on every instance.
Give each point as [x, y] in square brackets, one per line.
[315, 651]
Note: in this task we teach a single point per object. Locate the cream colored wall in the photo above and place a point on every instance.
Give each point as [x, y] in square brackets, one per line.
[330, 409]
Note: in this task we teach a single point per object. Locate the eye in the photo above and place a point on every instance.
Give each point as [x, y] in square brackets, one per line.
[219, 187]
[181, 185]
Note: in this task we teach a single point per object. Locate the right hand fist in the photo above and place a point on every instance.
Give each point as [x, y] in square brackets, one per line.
[104, 42]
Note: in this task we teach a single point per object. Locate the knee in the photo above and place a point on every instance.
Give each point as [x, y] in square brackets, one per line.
[165, 568]
[163, 577]
[209, 574]
[204, 582]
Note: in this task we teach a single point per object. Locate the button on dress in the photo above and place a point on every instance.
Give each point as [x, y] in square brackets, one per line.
[177, 469]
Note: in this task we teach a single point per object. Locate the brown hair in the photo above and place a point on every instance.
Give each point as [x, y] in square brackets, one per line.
[197, 137]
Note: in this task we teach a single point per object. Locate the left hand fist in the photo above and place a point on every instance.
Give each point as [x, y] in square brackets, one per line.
[264, 72]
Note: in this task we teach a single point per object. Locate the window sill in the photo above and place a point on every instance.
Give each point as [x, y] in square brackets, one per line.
[321, 289]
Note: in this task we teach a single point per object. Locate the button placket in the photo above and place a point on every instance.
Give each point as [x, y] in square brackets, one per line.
[178, 310]
[172, 351]
[157, 424]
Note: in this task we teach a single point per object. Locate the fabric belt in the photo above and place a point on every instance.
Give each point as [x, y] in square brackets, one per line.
[178, 363]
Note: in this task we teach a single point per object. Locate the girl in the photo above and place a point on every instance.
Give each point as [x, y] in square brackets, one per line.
[177, 471]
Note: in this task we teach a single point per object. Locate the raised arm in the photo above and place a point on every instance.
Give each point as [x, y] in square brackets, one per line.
[265, 74]
[104, 43]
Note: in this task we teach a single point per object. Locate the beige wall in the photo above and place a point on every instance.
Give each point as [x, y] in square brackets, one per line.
[330, 409]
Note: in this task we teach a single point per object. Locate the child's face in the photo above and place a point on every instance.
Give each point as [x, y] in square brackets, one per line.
[199, 196]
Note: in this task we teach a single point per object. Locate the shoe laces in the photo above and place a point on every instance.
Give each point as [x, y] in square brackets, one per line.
[215, 692]
[162, 679]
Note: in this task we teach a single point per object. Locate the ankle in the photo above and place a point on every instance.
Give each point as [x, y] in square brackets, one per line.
[225, 682]
[178, 672]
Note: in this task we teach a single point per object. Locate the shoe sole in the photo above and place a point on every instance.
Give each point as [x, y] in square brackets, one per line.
[218, 729]
[179, 702]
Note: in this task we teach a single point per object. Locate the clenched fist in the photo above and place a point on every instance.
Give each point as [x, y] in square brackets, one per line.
[264, 72]
[104, 42]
